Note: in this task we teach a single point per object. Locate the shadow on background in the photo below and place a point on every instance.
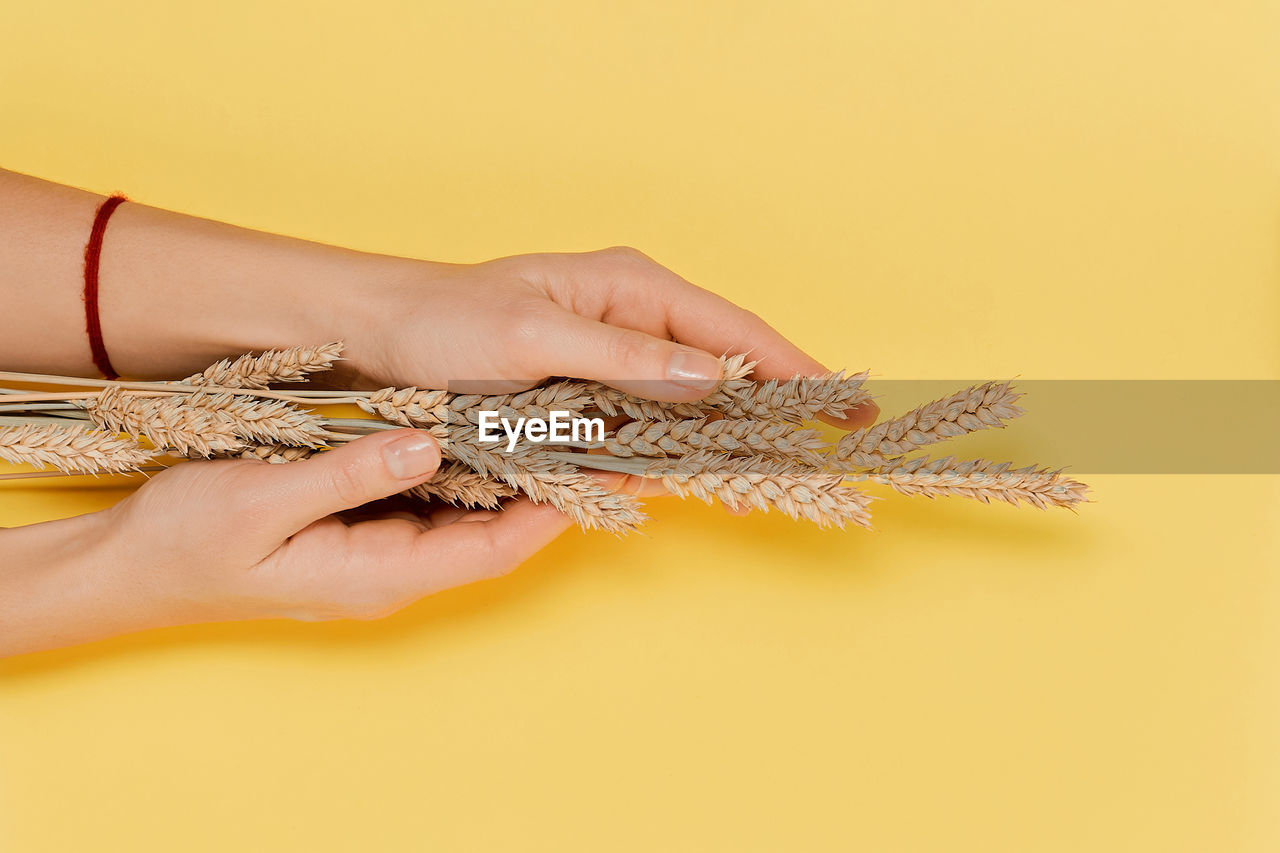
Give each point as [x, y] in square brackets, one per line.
[793, 553]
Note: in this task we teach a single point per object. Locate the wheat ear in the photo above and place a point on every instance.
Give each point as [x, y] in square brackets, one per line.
[274, 453]
[797, 490]
[259, 371]
[262, 421]
[545, 480]
[412, 407]
[737, 437]
[71, 449]
[981, 480]
[457, 484]
[977, 408]
[802, 398]
[167, 422]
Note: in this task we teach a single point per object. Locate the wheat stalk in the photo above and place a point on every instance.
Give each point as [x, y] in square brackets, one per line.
[273, 366]
[802, 398]
[458, 484]
[407, 406]
[976, 408]
[262, 421]
[548, 480]
[797, 490]
[167, 422]
[276, 454]
[735, 436]
[71, 448]
[742, 444]
[981, 480]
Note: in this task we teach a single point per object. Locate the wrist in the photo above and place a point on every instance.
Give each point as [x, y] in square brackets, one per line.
[180, 293]
[57, 589]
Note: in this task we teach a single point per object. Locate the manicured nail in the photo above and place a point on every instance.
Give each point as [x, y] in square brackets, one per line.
[411, 457]
[863, 415]
[693, 369]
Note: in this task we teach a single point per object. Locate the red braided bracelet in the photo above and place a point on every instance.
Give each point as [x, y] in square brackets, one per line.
[92, 254]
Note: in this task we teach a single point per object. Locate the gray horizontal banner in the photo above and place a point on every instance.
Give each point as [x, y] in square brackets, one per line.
[1112, 426]
[1115, 426]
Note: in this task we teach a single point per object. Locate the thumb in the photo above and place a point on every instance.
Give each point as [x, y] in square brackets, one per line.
[628, 360]
[364, 470]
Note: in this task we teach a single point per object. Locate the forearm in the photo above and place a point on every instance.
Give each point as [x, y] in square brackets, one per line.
[176, 292]
[59, 587]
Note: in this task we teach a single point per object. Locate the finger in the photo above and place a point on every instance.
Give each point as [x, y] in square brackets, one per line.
[736, 330]
[862, 415]
[354, 474]
[630, 484]
[624, 358]
[448, 514]
[704, 320]
[693, 316]
[462, 553]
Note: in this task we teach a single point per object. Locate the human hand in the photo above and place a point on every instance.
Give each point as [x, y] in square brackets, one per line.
[613, 315]
[239, 539]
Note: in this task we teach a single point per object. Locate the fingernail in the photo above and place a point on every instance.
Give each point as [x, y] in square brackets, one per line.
[411, 457]
[863, 415]
[693, 369]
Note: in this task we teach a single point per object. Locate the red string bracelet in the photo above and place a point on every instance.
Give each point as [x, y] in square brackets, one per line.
[92, 254]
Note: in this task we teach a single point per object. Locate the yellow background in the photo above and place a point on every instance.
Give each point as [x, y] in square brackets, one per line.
[929, 189]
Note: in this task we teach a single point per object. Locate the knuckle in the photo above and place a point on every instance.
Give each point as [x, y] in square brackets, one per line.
[237, 485]
[627, 252]
[625, 259]
[347, 481]
[629, 348]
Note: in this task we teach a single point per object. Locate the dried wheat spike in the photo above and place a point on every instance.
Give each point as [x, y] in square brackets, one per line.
[260, 371]
[734, 371]
[566, 487]
[457, 484]
[407, 406]
[802, 398]
[262, 421]
[167, 422]
[412, 407]
[981, 480]
[71, 449]
[564, 396]
[276, 454]
[737, 437]
[980, 407]
[797, 490]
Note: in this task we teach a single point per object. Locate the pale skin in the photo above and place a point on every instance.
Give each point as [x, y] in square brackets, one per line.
[235, 539]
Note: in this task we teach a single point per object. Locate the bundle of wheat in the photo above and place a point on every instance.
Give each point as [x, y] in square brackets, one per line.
[746, 443]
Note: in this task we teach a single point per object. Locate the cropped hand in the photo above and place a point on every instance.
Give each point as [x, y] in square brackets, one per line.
[613, 315]
[238, 539]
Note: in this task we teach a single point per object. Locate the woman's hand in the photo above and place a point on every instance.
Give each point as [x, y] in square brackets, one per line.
[613, 315]
[242, 540]
[237, 539]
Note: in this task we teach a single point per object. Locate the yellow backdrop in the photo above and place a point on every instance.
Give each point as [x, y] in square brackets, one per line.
[932, 190]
